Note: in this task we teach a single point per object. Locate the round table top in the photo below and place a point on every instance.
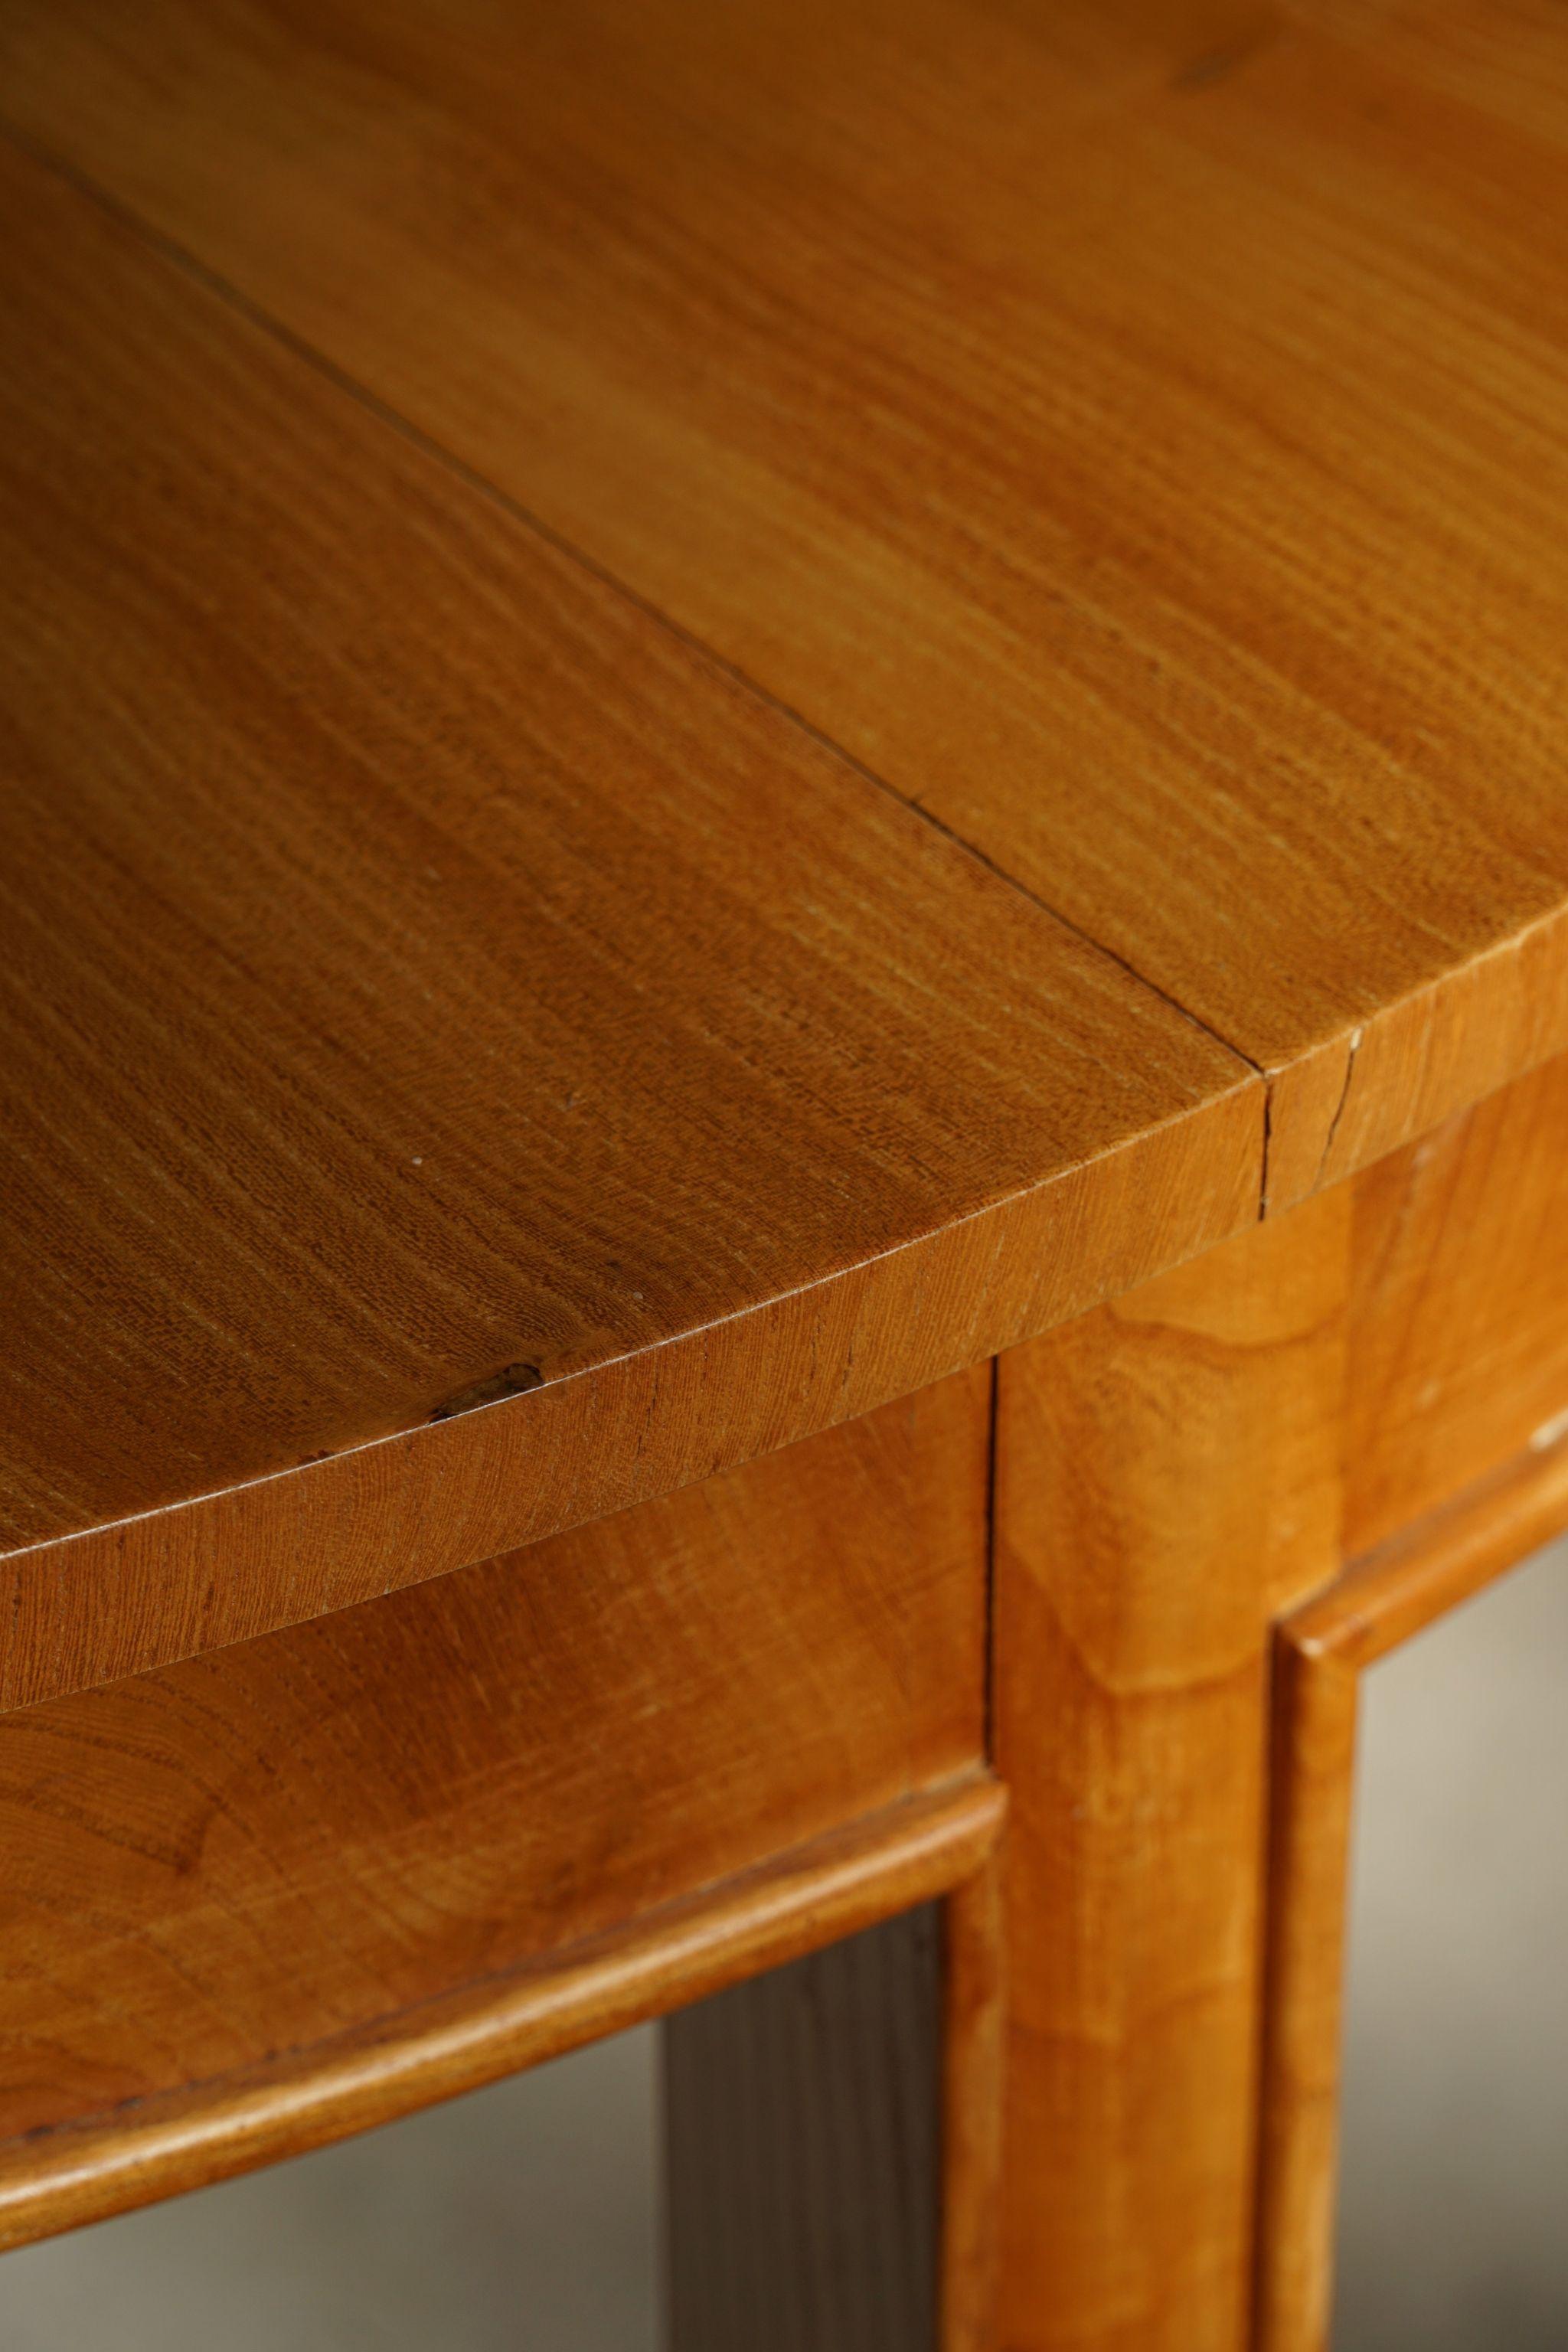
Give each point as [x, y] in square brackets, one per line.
[709, 709]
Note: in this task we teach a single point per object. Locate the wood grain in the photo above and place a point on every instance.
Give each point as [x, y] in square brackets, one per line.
[429, 981]
[803, 2152]
[1167, 1479]
[705, 711]
[297, 1845]
[974, 2064]
[1313, 1769]
[227, 1565]
[1405, 1583]
[1136, 431]
[1459, 1317]
[762, 1918]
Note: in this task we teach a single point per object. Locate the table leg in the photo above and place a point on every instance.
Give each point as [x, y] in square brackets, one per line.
[1167, 1480]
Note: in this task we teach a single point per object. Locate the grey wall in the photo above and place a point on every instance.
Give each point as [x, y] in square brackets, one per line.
[518, 2219]
[1454, 2203]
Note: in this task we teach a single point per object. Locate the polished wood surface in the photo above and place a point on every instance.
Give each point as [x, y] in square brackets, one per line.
[431, 983]
[1176, 1473]
[390, 1066]
[1381, 1599]
[1459, 1320]
[811, 1895]
[708, 712]
[1313, 1765]
[975, 2057]
[298, 1843]
[1134, 431]
[1167, 1479]
[1402, 1585]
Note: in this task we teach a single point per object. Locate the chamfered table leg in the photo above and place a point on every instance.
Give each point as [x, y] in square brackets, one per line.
[1166, 1482]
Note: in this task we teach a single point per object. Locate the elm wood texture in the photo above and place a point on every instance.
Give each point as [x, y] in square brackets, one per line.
[1459, 1315]
[1379, 1601]
[446, 963]
[1167, 1480]
[1134, 431]
[1313, 1762]
[974, 2046]
[802, 2152]
[1417, 1576]
[763, 1918]
[172, 1583]
[237, 1870]
[419, 963]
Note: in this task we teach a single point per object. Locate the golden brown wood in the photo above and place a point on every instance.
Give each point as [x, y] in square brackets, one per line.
[427, 979]
[392, 1832]
[1136, 431]
[1314, 1760]
[482, 1060]
[974, 2031]
[1167, 1478]
[799, 1900]
[1460, 1322]
[1418, 1575]
[221, 1568]
[802, 2139]
[1379, 1601]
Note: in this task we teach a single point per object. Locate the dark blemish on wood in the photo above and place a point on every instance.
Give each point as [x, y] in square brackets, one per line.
[1216, 65]
[1205, 71]
[512, 1380]
[324, 1455]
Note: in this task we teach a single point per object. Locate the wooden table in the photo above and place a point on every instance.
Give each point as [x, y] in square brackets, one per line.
[786, 1023]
